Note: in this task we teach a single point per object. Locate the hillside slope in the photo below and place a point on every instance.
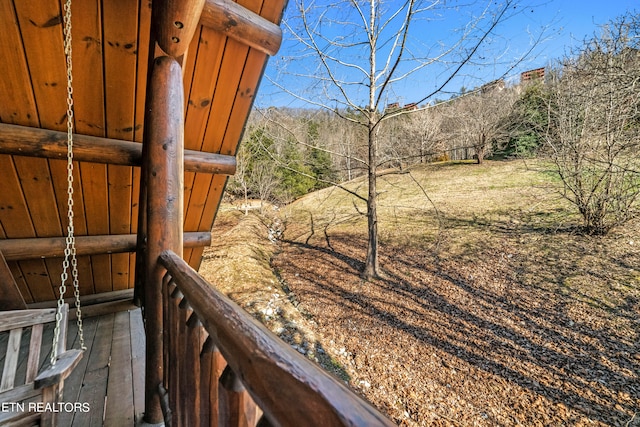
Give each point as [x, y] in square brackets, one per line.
[491, 309]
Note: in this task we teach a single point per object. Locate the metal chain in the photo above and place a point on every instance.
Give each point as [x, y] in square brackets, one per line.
[70, 247]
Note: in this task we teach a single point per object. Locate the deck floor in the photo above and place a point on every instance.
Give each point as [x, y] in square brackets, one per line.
[109, 380]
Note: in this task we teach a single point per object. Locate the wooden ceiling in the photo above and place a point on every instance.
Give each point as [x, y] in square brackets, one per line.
[111, 46]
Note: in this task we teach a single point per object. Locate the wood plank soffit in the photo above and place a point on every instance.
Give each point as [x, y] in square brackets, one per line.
[45, 143]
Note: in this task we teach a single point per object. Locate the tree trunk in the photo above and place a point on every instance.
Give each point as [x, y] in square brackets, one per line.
[481, 149]
[371, 262]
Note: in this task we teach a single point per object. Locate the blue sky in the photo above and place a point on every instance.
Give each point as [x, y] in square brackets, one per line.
[561, 24]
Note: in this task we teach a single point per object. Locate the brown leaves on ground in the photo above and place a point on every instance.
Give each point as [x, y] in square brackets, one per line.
[457, 341]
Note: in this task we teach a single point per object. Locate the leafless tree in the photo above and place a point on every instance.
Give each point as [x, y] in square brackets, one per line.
[362, 49]
[240, 180]
[424, 131]
[594, 126]
[480, 118]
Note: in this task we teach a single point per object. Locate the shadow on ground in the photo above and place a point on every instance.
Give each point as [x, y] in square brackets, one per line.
[531, 326]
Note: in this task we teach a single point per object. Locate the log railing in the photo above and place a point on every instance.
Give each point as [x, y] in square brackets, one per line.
[208, 362]
[222, 367]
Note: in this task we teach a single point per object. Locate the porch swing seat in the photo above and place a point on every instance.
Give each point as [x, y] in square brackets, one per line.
[27, 397]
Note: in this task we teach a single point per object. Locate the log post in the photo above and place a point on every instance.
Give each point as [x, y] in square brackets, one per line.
[164, 136]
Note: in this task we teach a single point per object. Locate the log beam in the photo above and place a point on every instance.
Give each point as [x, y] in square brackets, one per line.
[53, 247]
[242, 25]
[175, 22]
[49, 144]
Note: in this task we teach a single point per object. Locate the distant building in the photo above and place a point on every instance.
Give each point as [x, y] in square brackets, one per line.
[394, 107]
[526, 76]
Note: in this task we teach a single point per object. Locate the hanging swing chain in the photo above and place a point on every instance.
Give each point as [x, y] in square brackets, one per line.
[70, 248]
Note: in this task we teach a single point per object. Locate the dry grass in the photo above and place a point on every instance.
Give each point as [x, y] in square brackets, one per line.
[238, 264]
[491, 310]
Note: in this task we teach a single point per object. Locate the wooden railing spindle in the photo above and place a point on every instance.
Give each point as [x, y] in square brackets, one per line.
[174, 354]
[191, 390]
[262, 373]
[231, 394]
[212, 366]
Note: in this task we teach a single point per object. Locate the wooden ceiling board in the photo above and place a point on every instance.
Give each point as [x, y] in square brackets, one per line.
[111, 42]
[121, 66]
[38, 27]
[204, 62]
[144, 36]
[88, 94]
[242, 68]
[233, 60]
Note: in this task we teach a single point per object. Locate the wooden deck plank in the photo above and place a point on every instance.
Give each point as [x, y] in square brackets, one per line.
[119, 408]
[74, 384]
[95, 377]
[137, 361]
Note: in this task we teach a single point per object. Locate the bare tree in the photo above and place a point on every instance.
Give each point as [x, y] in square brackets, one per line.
[594, 126]
[240, 181]
[424, 130]
[363, 48]
[480, 118]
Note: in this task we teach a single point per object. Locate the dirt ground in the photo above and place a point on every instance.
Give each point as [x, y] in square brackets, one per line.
[501, 323]
[444, 342]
